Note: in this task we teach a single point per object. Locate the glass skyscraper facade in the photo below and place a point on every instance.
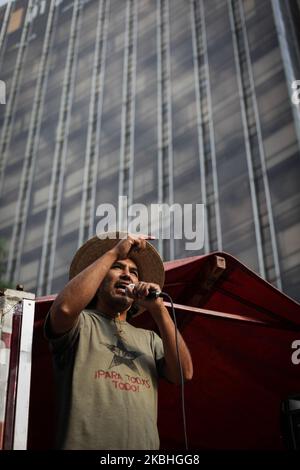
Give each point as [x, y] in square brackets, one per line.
[163, 101]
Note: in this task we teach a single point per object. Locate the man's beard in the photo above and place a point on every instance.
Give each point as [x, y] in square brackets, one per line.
[119, 304]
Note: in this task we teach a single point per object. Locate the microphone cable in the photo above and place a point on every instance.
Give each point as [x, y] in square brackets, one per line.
[153, 294]
[165, 295]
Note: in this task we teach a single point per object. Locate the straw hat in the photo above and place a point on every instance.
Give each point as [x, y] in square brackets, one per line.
[148, 261]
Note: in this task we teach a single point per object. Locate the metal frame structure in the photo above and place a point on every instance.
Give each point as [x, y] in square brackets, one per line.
[88, 201]
[16, 333]
[252, 131]
[204, 126]
[53, 212]
[3, 29]
[164, 119]
[290, 72]
[128, 105]
[14, 90]
[18, 235]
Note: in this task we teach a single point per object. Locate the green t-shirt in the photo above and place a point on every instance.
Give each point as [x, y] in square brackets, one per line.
[106, 373]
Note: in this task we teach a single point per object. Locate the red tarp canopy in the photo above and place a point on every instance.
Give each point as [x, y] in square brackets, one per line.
[240, 331]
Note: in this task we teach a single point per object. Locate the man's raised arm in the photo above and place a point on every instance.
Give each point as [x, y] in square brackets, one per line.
[78, 293]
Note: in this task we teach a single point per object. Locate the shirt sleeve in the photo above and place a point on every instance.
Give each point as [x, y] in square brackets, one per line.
[61, 343]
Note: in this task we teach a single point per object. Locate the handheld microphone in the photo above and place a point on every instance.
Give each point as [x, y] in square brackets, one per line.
[153, 293]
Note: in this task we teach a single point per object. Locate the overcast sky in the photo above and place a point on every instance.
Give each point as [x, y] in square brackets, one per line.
[4, 1]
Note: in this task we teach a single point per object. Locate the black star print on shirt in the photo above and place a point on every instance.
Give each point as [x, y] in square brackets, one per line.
[123, 356]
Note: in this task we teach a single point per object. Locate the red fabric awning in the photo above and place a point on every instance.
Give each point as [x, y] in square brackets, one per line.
[240, 331]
